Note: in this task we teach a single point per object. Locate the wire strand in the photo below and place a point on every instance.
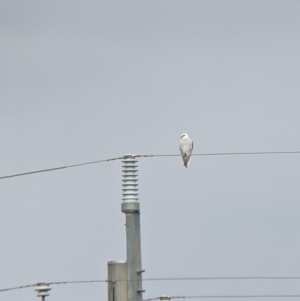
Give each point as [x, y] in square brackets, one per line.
[227, 297]
[58, 168]
[55, 283]
[17, 287]
[220, 278]
[146, 156]
[223, 154]
[154, 279]
[79, 282]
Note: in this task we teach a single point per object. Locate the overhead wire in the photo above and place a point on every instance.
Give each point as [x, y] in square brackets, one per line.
[61, 167]
[146, 156]
[17, 287]
[78, 282]
[226, 154]
[227, 297]
[153, 279]
[54, 283]
[220, 278]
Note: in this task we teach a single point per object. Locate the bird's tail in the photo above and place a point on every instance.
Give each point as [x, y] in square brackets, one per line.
[186, 164]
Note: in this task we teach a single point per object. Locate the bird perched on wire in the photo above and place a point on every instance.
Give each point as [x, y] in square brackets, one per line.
[186, 148]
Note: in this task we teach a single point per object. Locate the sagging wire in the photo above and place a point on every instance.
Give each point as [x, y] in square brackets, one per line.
[146, 156]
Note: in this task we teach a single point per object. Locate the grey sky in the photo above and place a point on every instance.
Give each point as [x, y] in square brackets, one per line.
[90, 80]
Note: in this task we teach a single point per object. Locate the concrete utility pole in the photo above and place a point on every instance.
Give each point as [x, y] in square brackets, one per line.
[131, 208]
[117, 285]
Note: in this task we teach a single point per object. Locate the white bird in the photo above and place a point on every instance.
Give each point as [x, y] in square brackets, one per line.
[186, 148]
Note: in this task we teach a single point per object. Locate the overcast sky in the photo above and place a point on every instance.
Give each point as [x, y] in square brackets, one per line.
[90, 80]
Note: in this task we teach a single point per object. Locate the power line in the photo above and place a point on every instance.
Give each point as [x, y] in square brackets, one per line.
[79, 282]
[17, 287]
[154, 279]
[221, 278]
[226, 154]
[146, 156]
[57, 168]
[228, 297]
[54, 283]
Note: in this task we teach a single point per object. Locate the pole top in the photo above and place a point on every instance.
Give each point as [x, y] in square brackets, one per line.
[117, 261]
[42, 289]
[129, 156]
[164, 298]
[130, 179]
